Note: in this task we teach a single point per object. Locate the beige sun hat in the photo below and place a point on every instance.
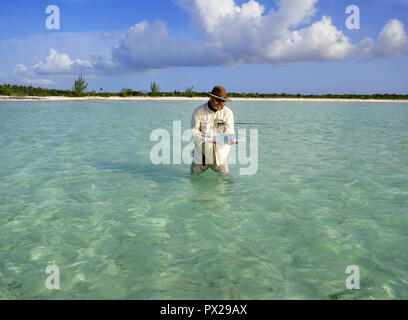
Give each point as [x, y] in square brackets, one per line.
[219, 92]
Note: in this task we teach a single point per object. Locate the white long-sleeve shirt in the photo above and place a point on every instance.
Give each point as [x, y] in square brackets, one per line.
[211, 123]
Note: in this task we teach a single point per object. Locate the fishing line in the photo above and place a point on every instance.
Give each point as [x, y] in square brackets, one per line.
[255, 123]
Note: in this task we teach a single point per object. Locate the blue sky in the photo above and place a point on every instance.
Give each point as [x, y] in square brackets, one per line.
[292, 46]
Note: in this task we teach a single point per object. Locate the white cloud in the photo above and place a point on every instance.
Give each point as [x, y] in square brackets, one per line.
[246, 34]
[149, 46]
[55, 64]
[72, 47]
[33, 48]
[60, 63]
[28, 76]
[234, 34]
[392, 39]
[292, 13]
[319, 42]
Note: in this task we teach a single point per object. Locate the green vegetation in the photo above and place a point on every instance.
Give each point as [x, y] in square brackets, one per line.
[21, 91]
[154, 89]
[189, 92]
[80, 86]
[126, 92]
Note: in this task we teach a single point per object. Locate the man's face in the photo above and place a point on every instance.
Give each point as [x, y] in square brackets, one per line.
[217, 103]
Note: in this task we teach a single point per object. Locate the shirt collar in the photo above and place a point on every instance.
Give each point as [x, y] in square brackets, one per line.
[211, 107]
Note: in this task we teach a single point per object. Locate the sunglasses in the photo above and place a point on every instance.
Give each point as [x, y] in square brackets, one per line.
[219, 100]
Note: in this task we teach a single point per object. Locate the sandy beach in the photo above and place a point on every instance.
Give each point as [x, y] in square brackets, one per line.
[62, 98]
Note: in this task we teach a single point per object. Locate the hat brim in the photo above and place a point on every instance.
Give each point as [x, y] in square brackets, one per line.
[221, 98]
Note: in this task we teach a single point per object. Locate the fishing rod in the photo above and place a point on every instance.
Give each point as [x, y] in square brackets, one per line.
[255, 123]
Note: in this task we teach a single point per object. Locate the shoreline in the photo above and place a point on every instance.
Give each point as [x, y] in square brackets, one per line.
[116, 98]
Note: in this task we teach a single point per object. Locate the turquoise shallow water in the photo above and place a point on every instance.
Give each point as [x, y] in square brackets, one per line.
[78, 190]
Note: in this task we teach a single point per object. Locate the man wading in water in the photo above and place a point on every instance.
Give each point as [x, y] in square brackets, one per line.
[211, 119]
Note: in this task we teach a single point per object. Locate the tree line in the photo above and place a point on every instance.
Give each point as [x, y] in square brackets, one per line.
[80, 86]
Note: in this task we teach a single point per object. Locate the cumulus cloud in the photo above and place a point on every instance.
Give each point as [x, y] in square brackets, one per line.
[247, 34]
[392, 39]
[60, 63]
[54, 64]
[28, 76]
[319, 42]
[234, 34]
[287, 35]
[150, 46]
